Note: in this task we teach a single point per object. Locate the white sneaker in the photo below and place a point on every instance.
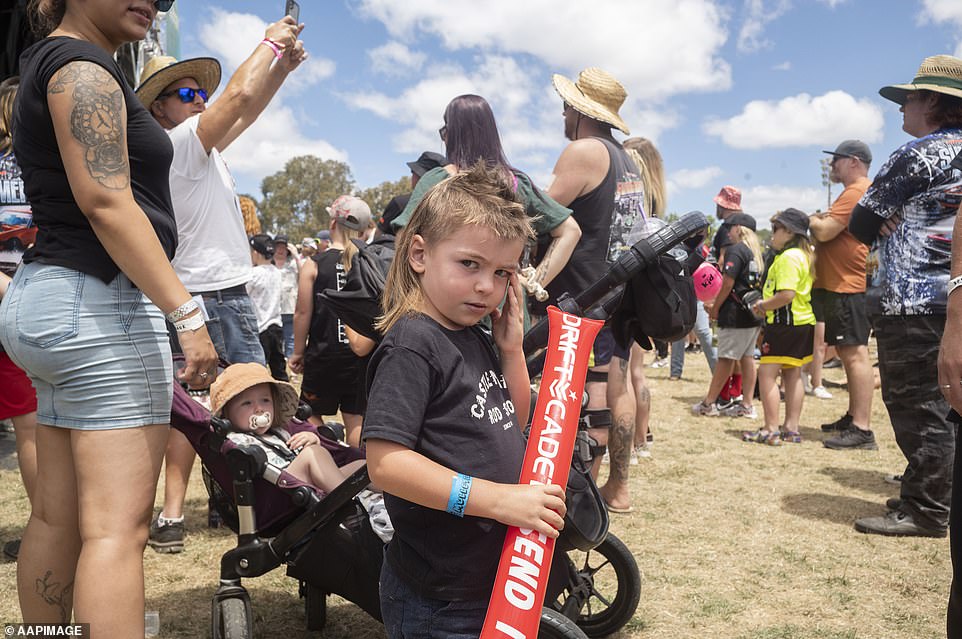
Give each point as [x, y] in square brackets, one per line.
[660, 363]
[820, 392]
[807, 383]
[700, 408]
[740, 410]
[641, 452]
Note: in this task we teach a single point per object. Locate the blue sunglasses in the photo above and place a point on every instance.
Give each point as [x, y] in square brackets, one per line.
[186, 94]
[163, 5]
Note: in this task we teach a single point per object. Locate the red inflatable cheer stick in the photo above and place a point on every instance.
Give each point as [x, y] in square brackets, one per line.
[519, 588]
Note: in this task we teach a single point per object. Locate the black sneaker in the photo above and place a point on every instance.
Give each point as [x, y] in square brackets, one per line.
[11, 549]
[896, 524]
[168, 538]
[853, 438]
[842, 423]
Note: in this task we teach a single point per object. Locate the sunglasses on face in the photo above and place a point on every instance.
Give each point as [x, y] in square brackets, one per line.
[163, 5]
[186, 94]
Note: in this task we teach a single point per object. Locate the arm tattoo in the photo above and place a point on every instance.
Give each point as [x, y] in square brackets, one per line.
[56, 595]
[96, 122]
[542, 271]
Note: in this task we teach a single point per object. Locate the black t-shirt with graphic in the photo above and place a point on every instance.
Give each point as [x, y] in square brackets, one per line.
[740, 266]
[441, 393]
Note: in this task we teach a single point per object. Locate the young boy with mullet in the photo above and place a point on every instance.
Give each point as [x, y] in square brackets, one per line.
[447, 404]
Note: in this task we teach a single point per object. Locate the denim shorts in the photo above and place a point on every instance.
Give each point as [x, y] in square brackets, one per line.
[96, 353]
[232, 326]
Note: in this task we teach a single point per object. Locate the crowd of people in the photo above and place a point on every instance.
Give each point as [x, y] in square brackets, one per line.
[142, 257]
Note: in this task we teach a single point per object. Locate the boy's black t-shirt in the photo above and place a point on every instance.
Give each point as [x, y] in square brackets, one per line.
[64, 235]
[441, 393]
[738, 266]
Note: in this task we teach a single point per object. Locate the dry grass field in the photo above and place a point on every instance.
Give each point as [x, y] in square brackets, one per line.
[733, 540]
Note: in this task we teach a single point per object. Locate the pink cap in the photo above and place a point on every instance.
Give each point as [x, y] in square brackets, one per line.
[729, 197]
[708, 281]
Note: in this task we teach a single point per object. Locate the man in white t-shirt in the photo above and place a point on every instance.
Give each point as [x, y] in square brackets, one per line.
[213, 259]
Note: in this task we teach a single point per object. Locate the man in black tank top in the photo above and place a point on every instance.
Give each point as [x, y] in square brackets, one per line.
[597, 180]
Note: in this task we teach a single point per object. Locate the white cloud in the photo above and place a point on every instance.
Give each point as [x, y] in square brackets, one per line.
[783, 66]
[751, 35]
[762, 201]
[684, 179]
[394, 58]
[629, 39]
[277, 135]
[833, 3]
[800, 120]
[939, 11]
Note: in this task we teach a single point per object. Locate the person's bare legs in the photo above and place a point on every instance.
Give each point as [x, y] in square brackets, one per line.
[719, 377]
[768, 393]
[51, 543]
[597, 392]
[636, 367]
[861, 383]
[794, 396]
[748, 380]
[621, 436]
[814, 368]
[179, 461]
[85, 541]
[25, 431]
[114, 518]
[352, 428]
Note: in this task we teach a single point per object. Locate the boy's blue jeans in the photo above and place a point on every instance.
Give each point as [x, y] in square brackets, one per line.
[408, 615]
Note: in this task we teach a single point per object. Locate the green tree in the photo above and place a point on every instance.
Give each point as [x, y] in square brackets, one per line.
[377, 197]
[296, 198]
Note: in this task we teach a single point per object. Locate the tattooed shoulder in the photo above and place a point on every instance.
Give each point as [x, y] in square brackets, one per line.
[96, 120]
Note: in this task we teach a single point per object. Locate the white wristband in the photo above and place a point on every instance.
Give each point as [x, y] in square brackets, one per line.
[182, 311]
[954, 283]
[191, 323]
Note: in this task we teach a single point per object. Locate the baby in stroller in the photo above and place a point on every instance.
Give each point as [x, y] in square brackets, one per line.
[258, 407]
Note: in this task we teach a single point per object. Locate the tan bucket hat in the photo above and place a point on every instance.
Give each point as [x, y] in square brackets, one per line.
[237, 378]
[938, 73]
[163, 70]
[596, 94]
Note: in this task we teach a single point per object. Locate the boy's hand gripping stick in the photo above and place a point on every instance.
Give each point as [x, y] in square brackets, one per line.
[519, 587]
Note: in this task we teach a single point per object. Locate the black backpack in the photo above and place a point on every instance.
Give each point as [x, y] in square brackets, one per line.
[658, 303]
[358, 304]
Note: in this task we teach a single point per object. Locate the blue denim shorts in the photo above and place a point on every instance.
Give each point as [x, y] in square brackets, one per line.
[232, 326]
[97, 353]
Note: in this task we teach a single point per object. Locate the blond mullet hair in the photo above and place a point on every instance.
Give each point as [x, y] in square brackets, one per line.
[479, 196]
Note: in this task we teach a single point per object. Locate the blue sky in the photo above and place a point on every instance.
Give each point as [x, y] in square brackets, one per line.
[743, 92]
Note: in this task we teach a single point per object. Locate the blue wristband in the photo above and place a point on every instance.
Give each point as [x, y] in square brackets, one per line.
[460, 489]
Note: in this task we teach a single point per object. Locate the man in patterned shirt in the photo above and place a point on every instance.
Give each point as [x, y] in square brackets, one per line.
[909, 211]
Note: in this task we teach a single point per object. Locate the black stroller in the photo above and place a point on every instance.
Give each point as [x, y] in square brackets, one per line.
[329, 545]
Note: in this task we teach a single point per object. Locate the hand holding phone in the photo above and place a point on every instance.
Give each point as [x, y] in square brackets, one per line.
[293, 10]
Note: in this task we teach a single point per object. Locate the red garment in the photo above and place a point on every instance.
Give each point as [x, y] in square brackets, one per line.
[18, 396]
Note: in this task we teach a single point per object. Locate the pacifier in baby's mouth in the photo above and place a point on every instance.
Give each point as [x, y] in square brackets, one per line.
[262, 420]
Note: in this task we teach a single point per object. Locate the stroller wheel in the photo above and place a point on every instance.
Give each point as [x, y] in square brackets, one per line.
[604, 588]
[315, 606]
[232, 619]
[555, 625]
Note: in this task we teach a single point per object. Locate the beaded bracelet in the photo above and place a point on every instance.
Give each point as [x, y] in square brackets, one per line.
[273, 46]
[182, 311]
[460, 489]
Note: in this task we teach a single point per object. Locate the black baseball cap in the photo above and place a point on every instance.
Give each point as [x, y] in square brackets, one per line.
[742, 219]
[427, 161]
[853, 149]
[263, 244]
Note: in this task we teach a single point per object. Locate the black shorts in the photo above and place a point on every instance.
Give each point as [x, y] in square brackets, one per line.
[789, 346]
[845, 317]
[606, 347]
[329, 386]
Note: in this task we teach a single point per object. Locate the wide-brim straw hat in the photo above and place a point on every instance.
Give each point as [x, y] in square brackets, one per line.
[596, 94]
[163, 70]
[237, 378]
[938, 73]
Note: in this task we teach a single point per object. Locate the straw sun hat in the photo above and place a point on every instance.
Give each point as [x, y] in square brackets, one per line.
[938, 73]
[163, 70]
[237, 378]
[596, 94]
